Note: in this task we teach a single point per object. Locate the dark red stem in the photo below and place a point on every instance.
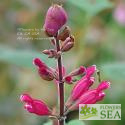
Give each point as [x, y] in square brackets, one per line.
[61, 85]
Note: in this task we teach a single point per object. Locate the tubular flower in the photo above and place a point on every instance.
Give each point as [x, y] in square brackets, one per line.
[56, 17]
[39, 63]
[90, 70]
[80, 88]
[35, 106]
[82, 85]
[78, 71]
[68, 44]
[44, 71]
[70, 77]
[103, 85]
[92, 96]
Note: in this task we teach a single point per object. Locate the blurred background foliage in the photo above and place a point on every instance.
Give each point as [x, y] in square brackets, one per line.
[99, 39]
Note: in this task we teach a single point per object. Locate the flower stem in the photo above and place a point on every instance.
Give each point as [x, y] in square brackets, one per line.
[61, 85]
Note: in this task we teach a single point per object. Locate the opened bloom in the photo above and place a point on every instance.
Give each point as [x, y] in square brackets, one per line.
[56, 17]
[81, 93]
[37, 107]
[82, 85]
[92, 96]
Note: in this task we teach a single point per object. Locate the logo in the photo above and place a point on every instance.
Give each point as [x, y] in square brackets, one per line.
[100, 112]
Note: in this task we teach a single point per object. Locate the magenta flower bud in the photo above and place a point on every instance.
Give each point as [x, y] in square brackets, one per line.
[25, 98]
[101, 96]
[81, 87]
[103, 85]
[68, 79]
[46, 74]
[82, 69]
[64, 34]
[92, 96]
[39, 63]
[68, 44]
[91, 81]
[90, 70]
[88, 97]
[56, 17]
[79, 71]
[35, 106]
[29, 108]
[44, 71]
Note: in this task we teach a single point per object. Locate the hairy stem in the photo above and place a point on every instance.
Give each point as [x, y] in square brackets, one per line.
[61, 85]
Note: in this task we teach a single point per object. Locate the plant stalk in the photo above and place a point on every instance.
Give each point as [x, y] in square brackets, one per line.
[61, 85]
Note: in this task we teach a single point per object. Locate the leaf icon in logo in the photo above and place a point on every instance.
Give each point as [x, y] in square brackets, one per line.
[85, 110]
[94, 110]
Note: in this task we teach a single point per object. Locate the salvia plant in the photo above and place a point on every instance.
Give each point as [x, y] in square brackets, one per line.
[55, 27]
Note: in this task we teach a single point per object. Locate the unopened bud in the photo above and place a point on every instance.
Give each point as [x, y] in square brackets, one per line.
[47, 52]
[68, 44]
[52, 53]
[68, 79]
[39, 63]
[64, 34]
[78, 71]
[46, 74]
[56, 17]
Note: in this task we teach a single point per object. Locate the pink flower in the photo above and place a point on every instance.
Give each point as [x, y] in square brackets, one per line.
[44, 71]
[91, 96]
[39, 63]
[70, 77]
[103, 85]
[79, 71]
[100, 96]
[68, 44]
[119, 14]
[35, 106]
[79, 89]
[46, 74]
[90, 70]
[56, 17]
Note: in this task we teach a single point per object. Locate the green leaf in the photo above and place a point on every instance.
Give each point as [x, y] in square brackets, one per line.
[114, 71]
[76, 122]
[22, 58]
[91, 7]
